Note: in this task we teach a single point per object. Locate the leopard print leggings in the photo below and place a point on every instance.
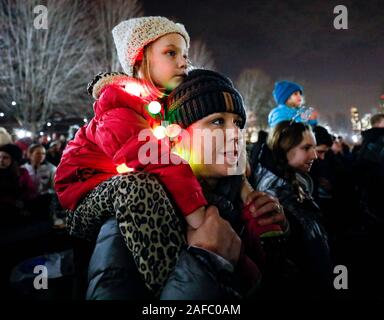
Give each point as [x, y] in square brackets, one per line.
[149, 225]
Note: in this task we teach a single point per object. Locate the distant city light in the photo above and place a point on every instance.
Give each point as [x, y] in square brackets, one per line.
[328, 128]
[49, 124]
[22, 133]
[1, 114]
[13, 103]
[254, 137]
[355, 138]
[41, 133]
[85, 120]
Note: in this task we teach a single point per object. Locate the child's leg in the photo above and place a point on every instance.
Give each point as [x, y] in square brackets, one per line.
[150, 226]
[85, 222]
[146, 218]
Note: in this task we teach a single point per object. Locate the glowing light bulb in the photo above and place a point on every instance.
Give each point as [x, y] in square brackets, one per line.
[173, 130]
[122, 168]
[154, 107]
[159, 132]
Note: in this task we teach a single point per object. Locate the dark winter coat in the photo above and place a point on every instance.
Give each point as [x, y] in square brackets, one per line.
[370, 174]
[199, 274]
[308, 246]
[112, 273]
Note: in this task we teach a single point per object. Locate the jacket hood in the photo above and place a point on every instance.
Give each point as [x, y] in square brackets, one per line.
[103, 79]
[117, 90]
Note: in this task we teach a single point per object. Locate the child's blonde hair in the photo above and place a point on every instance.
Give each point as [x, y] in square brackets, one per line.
[143, 65]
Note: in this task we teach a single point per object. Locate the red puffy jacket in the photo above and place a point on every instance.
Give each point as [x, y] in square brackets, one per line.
[111, 139]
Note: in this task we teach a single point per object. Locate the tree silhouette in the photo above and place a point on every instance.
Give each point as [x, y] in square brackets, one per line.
[200, 56]
[256, 88]
[45, 71]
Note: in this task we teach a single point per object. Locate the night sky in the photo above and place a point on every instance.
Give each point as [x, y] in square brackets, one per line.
[293, 39]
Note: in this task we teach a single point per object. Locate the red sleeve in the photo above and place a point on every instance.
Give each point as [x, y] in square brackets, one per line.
[117, 134]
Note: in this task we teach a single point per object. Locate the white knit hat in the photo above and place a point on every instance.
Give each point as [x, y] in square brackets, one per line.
[132, 35]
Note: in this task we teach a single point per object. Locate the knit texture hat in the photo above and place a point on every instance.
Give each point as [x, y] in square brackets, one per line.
[202, 93]
[13, 150]
[132, 35]
[284, 89]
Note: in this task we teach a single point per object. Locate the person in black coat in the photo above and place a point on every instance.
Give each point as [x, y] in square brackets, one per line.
[281, 169]
[369, 168]
[210, 264]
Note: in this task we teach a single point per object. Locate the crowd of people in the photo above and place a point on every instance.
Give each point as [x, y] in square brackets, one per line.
[27, 180]
[213, 221]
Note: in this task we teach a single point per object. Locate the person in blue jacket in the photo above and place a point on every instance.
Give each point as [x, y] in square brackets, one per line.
[289, 98]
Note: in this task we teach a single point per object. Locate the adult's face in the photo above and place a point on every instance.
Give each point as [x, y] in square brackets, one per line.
[5, 160]
[302, 156]
[213, 145]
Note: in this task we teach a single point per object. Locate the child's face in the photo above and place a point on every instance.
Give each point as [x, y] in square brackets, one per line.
[37, 156]
[5, 160]
[295, 100]
[215, 145]
[302, 156]
[168, 61]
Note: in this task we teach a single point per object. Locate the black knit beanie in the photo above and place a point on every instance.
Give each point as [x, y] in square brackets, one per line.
[203, 92]
[13, 150]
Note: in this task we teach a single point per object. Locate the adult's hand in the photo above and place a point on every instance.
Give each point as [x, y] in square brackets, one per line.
[216, 234]
[267, 209]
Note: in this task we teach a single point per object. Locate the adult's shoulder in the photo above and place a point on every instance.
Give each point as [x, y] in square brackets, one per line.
[112, 272]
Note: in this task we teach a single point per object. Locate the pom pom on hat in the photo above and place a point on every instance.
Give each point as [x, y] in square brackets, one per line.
[132, 35]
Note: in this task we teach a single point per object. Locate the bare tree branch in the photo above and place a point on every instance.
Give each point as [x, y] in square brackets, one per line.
[46, 71]
[200, 56]
[108, 13]
[256, 89]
